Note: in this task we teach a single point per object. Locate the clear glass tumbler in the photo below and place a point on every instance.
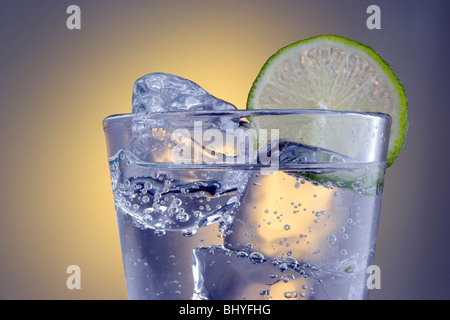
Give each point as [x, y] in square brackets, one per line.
[263, 204]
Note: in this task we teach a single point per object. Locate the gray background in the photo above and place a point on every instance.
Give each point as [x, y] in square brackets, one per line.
[57, 85]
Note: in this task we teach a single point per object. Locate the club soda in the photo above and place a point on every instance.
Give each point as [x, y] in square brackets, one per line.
[305, 231]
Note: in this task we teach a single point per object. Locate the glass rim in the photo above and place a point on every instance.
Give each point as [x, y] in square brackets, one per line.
[244, 113]
[365, 129]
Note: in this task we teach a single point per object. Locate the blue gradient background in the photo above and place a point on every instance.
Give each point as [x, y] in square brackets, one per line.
[57, 85]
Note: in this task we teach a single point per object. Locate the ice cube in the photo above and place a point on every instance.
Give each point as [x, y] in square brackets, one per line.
[174, 143]
[166, 93]
[224, 274]
[163, 92]
[170, 199]
[161, 149]
[291, 152]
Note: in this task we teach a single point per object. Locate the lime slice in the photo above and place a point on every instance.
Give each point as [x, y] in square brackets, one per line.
[334, 73]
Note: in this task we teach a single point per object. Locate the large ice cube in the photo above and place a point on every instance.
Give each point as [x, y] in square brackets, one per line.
[155, 182]
[167, 199]
[223, 274]
[167, 93]
[162, 92]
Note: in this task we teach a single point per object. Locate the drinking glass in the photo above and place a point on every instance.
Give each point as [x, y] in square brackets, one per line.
[248, 204]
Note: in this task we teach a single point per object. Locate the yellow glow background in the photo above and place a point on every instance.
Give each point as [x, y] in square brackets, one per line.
[57, 85]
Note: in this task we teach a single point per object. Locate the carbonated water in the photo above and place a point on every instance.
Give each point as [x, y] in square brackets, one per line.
[232, 233]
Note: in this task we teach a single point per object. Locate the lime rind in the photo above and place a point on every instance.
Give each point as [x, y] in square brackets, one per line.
[399, 112]
[367, 181]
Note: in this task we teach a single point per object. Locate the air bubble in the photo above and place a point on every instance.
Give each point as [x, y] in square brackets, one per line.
[182, 217]
[148, 218]
[242, 254]
[290, 294]
[148, 210]
[177, 202]
[291, 263]
[331, 239]
[256, 257]
[197, 213]
[172, 210]
[264, 292]
[189, 232]
[159, 233]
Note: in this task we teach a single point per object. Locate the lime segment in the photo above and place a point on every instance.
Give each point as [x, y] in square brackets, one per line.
[334, 73]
